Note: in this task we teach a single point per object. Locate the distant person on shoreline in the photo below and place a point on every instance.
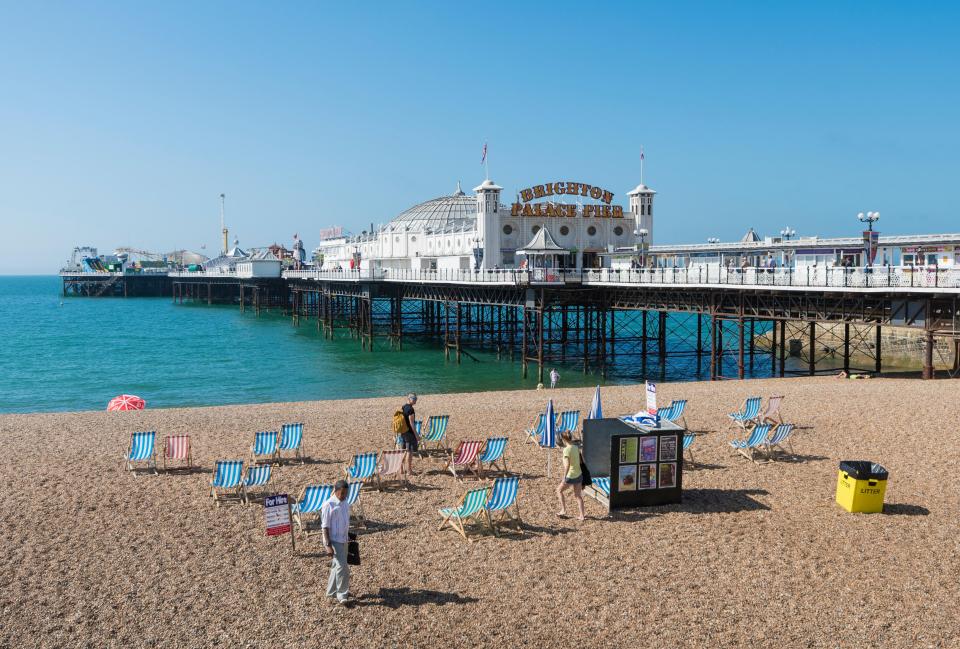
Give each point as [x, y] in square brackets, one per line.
[572, 476]
[844, 375]
[408, 433]
[554, 377]
[335, 525]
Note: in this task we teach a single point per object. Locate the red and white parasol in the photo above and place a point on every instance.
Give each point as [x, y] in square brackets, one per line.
[126, 402]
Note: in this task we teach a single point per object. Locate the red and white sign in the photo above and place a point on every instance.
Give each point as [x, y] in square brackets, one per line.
[651, 398]
[276, 509]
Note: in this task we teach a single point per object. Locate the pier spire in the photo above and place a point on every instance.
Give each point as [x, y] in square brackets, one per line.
[223, 227]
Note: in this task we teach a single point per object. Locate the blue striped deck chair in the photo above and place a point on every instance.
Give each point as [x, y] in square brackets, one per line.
[687, 445]
[257, 476]
[493, 452]
[363, 467]
[568, 422]
[291, 439]
[227, 478]
[471, 506]
[748, 447]
[746, 416]
[142, 449]
[310, 502]
[781, 435]
[503, 495]
[674, 411]
[264, 448]
[534, 434]
[599, 489]
[436, 434]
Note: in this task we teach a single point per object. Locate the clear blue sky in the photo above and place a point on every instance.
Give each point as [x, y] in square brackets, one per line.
[120, 123]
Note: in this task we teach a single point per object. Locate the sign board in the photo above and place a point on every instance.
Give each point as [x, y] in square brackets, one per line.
[276, 512]
[524, 207]
[651, 398]
[331, 233]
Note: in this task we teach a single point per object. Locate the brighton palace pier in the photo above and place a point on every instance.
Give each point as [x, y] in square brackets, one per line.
[564, 274]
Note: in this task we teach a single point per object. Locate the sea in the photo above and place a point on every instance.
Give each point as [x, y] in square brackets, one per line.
[75, 353]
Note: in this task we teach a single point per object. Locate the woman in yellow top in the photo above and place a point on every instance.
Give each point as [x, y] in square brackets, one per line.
[572, 476]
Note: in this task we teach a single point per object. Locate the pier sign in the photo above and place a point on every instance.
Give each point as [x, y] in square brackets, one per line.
[276, 511]
[524, 206]
[651, 398]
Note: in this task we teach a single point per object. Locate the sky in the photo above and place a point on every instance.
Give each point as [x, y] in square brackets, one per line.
[121, 123]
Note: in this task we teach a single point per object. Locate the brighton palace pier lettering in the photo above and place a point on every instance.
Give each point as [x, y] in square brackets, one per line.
[526, 208]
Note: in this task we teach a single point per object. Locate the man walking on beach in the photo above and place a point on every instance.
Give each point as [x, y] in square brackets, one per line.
[408, 438]
[554, 377]
[335, 524]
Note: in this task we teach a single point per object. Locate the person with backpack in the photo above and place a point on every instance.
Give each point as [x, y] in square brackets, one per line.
[404, 425]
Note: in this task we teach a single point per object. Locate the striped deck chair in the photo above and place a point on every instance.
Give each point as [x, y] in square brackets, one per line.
[534, 434]
[493, 453]
[600, 490]
[674, 411]
[465, 457]
[264, 448]
[772, 413]
[142, 450]
[257, 476]
[310, 502]
[390, 468]
[748, 447]
[781, 435]
[177, 448]
[503, 495]
[436, 434]
[291, 439]
[568, 422]
[363, 467]
[748, 415]
[227, 478]
[471, 505]
[687, 446]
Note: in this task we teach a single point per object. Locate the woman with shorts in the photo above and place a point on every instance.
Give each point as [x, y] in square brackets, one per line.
[572, 477]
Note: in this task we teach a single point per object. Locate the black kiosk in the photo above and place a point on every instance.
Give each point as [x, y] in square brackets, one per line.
[633, 464]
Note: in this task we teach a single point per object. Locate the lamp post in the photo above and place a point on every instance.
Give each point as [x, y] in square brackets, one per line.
[869, 218]
[713, 240]
[642, 235]
[788, 233]
[477, 253]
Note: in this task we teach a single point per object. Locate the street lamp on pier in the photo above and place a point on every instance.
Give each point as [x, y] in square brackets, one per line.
[641, 234]
[713, 240]
[788, 233]
[869, 218]
[477, 253]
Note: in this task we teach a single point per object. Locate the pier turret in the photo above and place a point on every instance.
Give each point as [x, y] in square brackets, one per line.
[641, 208]
[488, 230]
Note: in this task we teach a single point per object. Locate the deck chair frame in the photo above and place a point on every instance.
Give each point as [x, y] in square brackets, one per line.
[435, 434]
[492, 463]
[501, 516]
[533, 434]
[288, 431]
[187, 455]
[473, 465]
[399, 476]
[150, 459]
[274, 455]
[753, 445]
[458, 522]
[238, 489]
[772, 410]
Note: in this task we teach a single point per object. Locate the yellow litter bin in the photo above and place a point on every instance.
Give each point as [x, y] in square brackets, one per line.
[861, 486]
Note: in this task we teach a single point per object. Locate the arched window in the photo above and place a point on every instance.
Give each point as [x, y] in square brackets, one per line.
[507, 229]
[591, 231]
[618, 231]
[564, 230]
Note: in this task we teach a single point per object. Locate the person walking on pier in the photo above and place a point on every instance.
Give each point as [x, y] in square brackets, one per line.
[554, 377]
[335, 525]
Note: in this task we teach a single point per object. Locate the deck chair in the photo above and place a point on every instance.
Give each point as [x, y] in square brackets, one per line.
[436, 434]
[747, 415]
[772, 413]
[363, 467]
[465, 457]
[674, 412]
[503, 495]
[227, 478]
[310, 502]
[264, 448]
[391, 468]
[493, 453]
[568, 422]
[534, 434]
[142, 450]
[750, 446]
[599, 489]
[781, 435]
[291, 439]
[687, 446]
[472, 505]
[258, 475]
[176, 448]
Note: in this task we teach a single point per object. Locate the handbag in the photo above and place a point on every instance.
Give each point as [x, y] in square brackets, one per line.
[585, 473]
[353, 550]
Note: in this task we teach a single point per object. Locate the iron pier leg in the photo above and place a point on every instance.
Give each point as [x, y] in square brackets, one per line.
[783, 346]
[740, 332]
[773, 348]
[540, 335]
[877, 348]
[928, 356]
[812, 360]
[846, 347]
[713, 347]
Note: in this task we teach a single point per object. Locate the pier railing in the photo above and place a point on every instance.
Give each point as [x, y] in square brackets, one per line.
[201, 273]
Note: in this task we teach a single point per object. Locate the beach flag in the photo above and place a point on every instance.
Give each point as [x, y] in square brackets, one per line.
[483, 158]
[549, 437]
[596, 410]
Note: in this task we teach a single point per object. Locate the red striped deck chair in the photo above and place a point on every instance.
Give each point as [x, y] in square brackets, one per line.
[176, 448]
[465, 457]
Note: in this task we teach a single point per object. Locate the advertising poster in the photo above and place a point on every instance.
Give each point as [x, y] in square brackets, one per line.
[648, 477]
[648, 449]
[651, 398]
[668, 475]
[668, 448]
[628, 478]
[628, 450]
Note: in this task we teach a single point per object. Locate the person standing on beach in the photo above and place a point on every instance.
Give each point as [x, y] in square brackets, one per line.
[335, 524]
[408, 438]
[554, 377]
[572, 476]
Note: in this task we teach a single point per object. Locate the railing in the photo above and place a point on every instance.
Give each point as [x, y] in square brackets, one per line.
[352, 275]
[201, 273]
[70, 273]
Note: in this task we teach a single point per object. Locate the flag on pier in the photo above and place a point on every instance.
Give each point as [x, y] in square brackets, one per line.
[483, 158]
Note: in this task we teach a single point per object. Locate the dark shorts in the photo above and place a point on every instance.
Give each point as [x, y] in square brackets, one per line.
[577, 480]
[409, 442]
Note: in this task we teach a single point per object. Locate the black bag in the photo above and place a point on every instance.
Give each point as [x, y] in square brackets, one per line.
[585, 473]
[353, 550]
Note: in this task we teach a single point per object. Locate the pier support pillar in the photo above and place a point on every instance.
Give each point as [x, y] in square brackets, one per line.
[740, 363]
[876, 348]
[812, 342]
[846, 347]
[928, 356]
[783, 346]
[713, 347]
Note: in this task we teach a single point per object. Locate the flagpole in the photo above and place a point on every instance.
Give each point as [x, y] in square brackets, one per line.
[641, 164]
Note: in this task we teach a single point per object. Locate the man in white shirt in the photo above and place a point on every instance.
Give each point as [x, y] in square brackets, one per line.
[335, 524]
[554, 377]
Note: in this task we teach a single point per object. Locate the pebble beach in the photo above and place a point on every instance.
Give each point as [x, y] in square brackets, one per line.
[756, 555]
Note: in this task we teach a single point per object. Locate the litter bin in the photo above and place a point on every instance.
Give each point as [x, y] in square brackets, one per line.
[861, 486]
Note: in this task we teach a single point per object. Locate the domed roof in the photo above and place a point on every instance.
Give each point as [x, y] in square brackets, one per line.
[455, 210]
